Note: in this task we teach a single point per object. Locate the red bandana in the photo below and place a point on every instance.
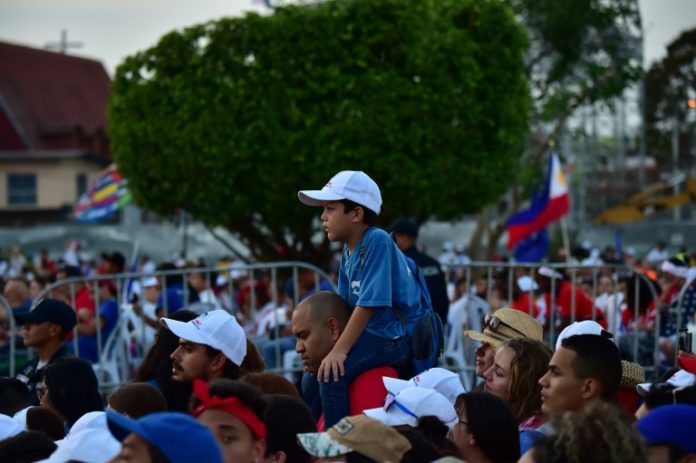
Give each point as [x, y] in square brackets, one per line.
[231, 405]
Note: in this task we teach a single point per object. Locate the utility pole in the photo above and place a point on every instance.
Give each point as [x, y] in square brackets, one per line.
[64, 44]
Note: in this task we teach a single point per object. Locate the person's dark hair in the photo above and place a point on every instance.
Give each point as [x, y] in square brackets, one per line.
[72, 388]
[355, 457]
[14, 396]
[271, 383]
[157, 366]
[493, 425]
[247, 395]
[421, 448]
[137, 399]
[435, 432]
[647, 290]
[666, 394]
[230, 370]
[285, 417]
[26, 447]
[170, 279]
[253, 361]
[596, 357]
[71, 271]
[369, 216]
[45, 420]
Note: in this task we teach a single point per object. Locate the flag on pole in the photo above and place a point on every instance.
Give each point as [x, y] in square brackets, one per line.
[534, 248]
[546, 208]
[104, 197]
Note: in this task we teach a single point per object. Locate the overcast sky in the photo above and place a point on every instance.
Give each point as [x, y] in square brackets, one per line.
[109, 30]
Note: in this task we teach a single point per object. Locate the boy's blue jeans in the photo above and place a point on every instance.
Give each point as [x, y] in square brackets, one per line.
[369, 352]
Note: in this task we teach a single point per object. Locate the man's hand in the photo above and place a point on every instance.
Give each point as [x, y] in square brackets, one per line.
[332, 363]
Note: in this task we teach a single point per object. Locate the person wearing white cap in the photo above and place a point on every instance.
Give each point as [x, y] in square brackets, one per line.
[211, 346]
[413, 403]
[144, 315]
[376, 280]
[446, 382]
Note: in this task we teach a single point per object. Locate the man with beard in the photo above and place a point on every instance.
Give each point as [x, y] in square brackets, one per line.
[211, 346]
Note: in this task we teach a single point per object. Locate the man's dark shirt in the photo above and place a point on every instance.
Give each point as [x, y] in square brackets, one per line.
[434, 278]
[31, 376]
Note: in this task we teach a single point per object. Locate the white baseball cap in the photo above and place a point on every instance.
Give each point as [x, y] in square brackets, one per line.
[411, 404]
[149, 282]
[447, 383]
[93, 445]
[217, 329]
[9, 427]
[550, 273]
[90, 420]
[356, 186]
[578, 328]
[21, 417]
[681, 378]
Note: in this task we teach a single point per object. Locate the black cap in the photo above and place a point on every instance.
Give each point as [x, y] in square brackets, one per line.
[404, 226]
[50, 310]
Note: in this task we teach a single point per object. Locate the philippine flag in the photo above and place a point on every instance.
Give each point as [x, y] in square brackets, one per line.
[546, 208]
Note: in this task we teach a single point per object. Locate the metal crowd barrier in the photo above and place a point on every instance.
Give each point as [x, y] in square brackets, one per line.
[113, 372]
[115, 357]
[491, 270]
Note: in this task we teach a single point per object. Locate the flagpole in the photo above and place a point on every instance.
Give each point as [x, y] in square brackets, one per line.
[566, 240]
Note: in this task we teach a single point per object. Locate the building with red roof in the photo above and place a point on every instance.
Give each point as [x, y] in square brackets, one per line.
[53, 132]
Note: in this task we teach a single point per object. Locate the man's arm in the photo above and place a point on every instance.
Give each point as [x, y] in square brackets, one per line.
[333, 362]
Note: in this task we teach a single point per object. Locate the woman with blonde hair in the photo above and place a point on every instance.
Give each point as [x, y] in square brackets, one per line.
[514, 377]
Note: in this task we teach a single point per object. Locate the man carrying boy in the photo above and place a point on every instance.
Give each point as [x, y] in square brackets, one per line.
[374, 279]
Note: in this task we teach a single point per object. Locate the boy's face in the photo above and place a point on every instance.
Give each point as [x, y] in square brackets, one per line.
[337, 224]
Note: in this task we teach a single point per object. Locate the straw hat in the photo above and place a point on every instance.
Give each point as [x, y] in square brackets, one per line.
[632, 375]
[512, 324]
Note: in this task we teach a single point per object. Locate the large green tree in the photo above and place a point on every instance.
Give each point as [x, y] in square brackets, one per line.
[228, 119]
[581, 53]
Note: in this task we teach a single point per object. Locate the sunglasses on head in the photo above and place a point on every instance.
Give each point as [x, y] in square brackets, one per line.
[492, 322]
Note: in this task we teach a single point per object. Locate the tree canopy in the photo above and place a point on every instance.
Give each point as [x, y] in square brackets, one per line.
[229, 119]
[669, 85]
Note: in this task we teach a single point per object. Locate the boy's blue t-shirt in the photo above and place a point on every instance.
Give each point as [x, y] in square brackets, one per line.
[376, 275]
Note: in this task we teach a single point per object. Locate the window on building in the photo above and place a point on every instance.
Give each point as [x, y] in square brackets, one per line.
[81, 184]
[21, 189]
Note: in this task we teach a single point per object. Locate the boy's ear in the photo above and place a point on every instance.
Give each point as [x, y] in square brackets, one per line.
[358, 214]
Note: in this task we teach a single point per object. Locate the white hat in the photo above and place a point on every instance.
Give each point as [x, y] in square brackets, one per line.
[149, 282]
[9, 427]
[21, 417]
[527, 284]
[89, 445]
[413, 403]
[217, 329]
[549, 272]
[90, 420]
[356, 186]
[681, 378]
[578, 328]
[447, 383]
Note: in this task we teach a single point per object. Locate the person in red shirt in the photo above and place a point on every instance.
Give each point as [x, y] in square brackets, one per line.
[317, 322]
[77, 295]
[561, 302]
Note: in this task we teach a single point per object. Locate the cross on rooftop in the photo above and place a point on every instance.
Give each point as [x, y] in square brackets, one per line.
[63, 45]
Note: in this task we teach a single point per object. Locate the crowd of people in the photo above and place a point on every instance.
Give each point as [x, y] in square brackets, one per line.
[206, 386]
